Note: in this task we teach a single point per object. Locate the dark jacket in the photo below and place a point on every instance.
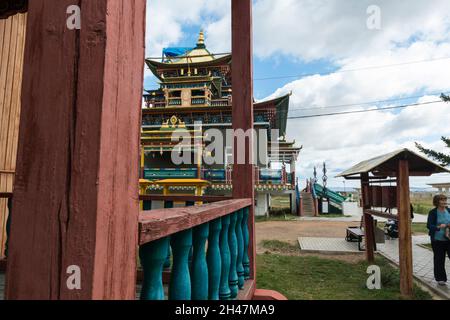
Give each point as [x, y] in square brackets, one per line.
[432, 223]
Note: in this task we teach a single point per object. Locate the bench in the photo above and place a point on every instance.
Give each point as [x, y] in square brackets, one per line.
[355, 234]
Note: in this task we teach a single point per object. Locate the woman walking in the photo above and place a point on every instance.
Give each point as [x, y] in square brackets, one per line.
[438, 222]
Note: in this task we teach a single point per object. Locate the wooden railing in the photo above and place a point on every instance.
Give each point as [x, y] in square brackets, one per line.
[220, 103]
[218, 272]
[147, 198]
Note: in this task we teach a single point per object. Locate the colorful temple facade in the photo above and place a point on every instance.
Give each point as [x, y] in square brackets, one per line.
[195, 96]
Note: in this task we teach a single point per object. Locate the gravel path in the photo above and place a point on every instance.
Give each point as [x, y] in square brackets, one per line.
[289, 231]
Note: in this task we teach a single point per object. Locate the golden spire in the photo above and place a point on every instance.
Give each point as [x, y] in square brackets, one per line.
[201, 39]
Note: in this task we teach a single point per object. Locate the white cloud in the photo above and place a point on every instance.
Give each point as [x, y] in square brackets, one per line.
[166, 19]
[342, 141]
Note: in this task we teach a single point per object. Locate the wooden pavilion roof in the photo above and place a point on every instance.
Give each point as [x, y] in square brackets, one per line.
[386, 165]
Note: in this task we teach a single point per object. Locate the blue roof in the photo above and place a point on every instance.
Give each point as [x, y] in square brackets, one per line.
[175, 51]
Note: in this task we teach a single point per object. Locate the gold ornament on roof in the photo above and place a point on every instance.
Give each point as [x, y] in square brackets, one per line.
[201, 38]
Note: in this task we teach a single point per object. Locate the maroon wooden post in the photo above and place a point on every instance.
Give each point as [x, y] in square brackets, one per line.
[76, 193]
[244, 174]
[404, 229]
[368, 220]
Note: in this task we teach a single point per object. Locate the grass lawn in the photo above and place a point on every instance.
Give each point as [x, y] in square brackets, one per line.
[419, 228]
[321, 278]
[416, 228]
[421, 206]
[287, 217]
[333, 215]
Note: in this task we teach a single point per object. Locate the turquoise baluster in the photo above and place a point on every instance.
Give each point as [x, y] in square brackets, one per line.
[246, 260]
[152, 256]
[213, 258]
[232, 240]
[224, 290]
[180, 282]
[240, 244]
[168, 205]
[190, 204]
[199, 265]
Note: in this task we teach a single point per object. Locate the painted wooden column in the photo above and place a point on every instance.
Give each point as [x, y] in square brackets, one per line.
[224, 290]
[213, 259]
[152, 256]
[75, 198]
[368, 220]
[242, 73]
[232, 241]
[404, 229]
[180, 281]
[199, 265]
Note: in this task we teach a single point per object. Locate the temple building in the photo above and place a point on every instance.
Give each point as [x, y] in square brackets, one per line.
[195, 88]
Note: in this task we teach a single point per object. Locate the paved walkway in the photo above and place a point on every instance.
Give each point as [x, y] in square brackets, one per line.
[316, 244]
[422, 262]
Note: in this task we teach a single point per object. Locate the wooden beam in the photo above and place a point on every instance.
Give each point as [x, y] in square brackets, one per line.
[404, 229]
[160, 223]
[242, 114]
[368, 221]
[75, 198]
[381, 214]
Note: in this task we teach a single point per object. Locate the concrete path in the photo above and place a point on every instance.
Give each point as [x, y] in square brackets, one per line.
[327, 245]
[422, 262]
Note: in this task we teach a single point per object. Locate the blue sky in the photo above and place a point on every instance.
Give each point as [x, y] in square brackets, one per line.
[320, 39]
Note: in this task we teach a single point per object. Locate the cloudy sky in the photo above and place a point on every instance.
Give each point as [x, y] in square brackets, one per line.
[325, 54]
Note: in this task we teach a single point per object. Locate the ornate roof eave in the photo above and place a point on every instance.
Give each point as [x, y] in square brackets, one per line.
[12, 7]
[188, 79]
[163, 65]
[282, 106]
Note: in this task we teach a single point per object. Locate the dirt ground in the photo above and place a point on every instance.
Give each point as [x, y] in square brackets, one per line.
[289, 231]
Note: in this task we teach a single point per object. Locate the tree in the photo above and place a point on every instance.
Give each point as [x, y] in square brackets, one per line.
[445, 98]
[442, 158]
